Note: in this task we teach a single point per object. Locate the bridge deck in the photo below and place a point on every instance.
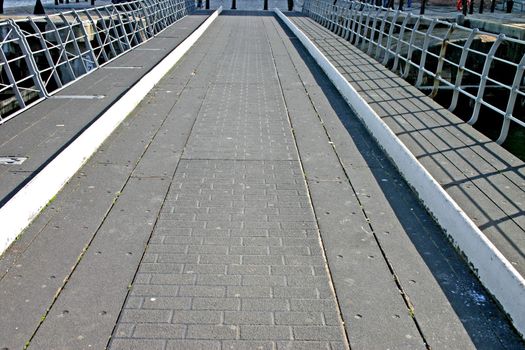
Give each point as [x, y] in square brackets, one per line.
[242, 205]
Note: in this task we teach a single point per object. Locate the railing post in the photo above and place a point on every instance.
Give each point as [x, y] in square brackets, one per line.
[512, 101]
[265, 5]
[461, 68]
[31, 64]
[234, 5]
[381, 33]
[390, 35]
[484, 74]
[147, 16]
[400, 40]
[441, 60]
[75, 42]
[408, 64]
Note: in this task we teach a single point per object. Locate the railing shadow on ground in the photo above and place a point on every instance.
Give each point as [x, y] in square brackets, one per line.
[483, 178]
[484, 322]
[445, 145]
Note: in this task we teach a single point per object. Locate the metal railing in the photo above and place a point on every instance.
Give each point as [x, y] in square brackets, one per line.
[482, 70]
[41, 55]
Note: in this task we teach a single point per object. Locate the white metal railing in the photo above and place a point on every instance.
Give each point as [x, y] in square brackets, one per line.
[436, 55]
[41, 55]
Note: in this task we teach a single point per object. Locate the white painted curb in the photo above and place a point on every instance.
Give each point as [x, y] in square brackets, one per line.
[493, 269]
[25, 205]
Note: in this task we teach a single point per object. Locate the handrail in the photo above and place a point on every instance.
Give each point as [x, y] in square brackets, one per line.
[42, 55]
[446, 56]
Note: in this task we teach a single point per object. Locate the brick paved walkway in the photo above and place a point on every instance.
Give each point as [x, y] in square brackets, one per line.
[235, 256]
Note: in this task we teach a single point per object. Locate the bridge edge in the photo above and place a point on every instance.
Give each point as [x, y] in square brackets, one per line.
[492, 268]
[18, 213]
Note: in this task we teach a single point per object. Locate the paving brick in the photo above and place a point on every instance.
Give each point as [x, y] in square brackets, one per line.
[312, 305]
[196, 317]
[164, 228]
[204, 268]
[220, 259]
[303, 345]
[216, 304]
[159, 331]
[249, 291]
[338, 345]
[146, 316]
[262, 241]
[248, 270]
[332, 317]
[182, 240]
[293, 241]
[156, 290]
[208, 332]
[265, 304]
[260, 332]
[149, 258]
[202, 291]
[230, 241]
[136, 344]
[260, 280]
[248, 317]
[298, 225]
[298, 318]
[218, 225]
[305, 280]
[261, 224]
[142, 278]
[248, 345]
[252, 250]
[250, 233]
[305, 260]
[288, 251]
[295, 292]
[178, 258]
[227, 280]
[317, 332]
[170, 278]
[133, 303]
[124, 330]
[193, 345]
[216, 232]
[292, 270]
[252, 217]
[168, 303]
[262, 260]
[160, 268]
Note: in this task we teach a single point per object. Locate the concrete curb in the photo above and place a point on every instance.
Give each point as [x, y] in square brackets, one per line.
[25, 205]
[492, 268]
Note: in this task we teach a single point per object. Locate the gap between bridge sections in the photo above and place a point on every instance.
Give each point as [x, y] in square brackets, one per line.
[25, 205]
[493, 269]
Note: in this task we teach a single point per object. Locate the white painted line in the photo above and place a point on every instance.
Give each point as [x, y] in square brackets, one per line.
[25, 205]
[493, 269]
